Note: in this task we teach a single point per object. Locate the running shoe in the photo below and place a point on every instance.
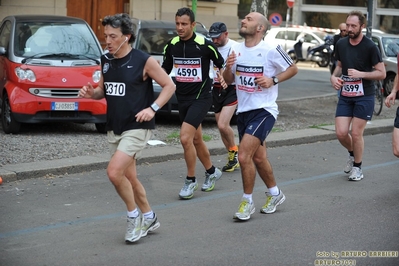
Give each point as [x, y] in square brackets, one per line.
[356, 174]
[272, 202]
[133, 231]
[244, 210]
[232, 163]
[210, 180]
[187, 192]
[149, 225]
[349, 165]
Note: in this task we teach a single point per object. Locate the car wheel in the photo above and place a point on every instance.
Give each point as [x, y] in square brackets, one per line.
[388, 84]
[10, 125]
[101, 127]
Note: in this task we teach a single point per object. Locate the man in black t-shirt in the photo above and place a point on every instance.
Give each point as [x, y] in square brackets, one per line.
[359, 64]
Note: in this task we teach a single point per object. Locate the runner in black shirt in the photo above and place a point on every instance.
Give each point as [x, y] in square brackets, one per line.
[188, 56]
[126, 83]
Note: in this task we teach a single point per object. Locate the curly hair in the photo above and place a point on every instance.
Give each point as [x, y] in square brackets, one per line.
[123, 22]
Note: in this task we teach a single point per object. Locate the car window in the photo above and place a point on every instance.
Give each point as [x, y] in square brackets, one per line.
[5, 32]
[308, 38]
[375, 40]
[391, 46]
[291, 35]
[153, 41]
[41, 37]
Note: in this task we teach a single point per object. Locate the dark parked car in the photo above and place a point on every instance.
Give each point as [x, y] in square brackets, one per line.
[44, 61]
[152, 36]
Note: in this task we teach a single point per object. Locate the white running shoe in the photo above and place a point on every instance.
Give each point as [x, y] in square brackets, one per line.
[356, 174]
[349, 165]
[272, 202]
[210, 180]
[133, 231]
[245, 210]
[149, 225]
[187, 192]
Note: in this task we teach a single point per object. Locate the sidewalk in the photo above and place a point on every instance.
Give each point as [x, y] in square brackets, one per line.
[154, 154]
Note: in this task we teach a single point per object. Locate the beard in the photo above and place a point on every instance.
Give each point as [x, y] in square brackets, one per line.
[354, 35]
[246, 32]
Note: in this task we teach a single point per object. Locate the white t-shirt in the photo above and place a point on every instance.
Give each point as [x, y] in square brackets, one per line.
[225, 52]
[261, 60]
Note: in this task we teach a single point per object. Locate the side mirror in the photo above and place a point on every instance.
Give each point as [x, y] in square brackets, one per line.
[3, 50]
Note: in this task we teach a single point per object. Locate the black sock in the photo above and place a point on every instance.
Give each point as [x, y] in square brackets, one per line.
[211, 170]
[357, 164]
[351, 153]
[192, 178]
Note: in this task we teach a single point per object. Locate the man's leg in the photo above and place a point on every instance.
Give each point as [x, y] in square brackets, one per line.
[119, 163]
[274, 196]
[117, 166]
[150, 219]
[223, 121]
[395, 135]
[187, 133]
[342, 126]
[227, 134]
[395, 141]
[248, 146]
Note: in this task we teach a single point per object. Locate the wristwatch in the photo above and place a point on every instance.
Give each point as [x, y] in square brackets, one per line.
[155, 107]
[275, 80]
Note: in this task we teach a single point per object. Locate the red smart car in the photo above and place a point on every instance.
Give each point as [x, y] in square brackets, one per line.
[44, 61]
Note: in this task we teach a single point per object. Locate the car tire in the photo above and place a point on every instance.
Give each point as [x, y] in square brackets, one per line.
[388, 84]
[10, 125]
[101, 128]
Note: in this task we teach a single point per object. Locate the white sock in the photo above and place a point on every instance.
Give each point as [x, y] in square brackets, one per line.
[148, 215]
[133, 214]
[274, 191]
[248, 197]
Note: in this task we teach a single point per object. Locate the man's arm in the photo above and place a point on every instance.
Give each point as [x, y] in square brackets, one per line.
[390, 99]
[228, 75]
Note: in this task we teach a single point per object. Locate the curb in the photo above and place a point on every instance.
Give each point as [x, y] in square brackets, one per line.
[14, 172]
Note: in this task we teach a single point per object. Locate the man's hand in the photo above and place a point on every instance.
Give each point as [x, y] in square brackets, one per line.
[336, 82]
[145, 115]
[86, 91]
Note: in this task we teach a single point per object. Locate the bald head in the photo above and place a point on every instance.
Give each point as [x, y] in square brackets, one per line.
[342, 29]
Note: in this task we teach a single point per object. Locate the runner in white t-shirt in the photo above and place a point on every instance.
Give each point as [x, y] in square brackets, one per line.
[256, 67]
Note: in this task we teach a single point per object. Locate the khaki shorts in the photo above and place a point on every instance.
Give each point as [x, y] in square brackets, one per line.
[131, 142]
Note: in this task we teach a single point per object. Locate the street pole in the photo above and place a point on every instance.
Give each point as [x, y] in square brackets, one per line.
[194, 8]
[369, 18]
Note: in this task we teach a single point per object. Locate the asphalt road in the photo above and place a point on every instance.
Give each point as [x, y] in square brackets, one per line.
[310, 81]
[79, 219]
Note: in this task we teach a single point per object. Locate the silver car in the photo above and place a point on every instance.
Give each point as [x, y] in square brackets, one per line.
[389, 48]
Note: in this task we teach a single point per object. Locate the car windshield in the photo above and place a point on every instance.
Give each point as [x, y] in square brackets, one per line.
[391, 46]
[153, 40]
[34, 38]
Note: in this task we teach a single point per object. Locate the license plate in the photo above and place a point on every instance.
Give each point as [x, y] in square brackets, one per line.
[71, 106]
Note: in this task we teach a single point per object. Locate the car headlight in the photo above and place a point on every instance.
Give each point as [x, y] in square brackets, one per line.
[96, 76]
[25, 74]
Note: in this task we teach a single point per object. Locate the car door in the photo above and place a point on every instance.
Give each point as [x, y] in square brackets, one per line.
[5, 32]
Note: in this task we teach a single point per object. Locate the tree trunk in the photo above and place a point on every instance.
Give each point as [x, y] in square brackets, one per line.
[260, 6]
